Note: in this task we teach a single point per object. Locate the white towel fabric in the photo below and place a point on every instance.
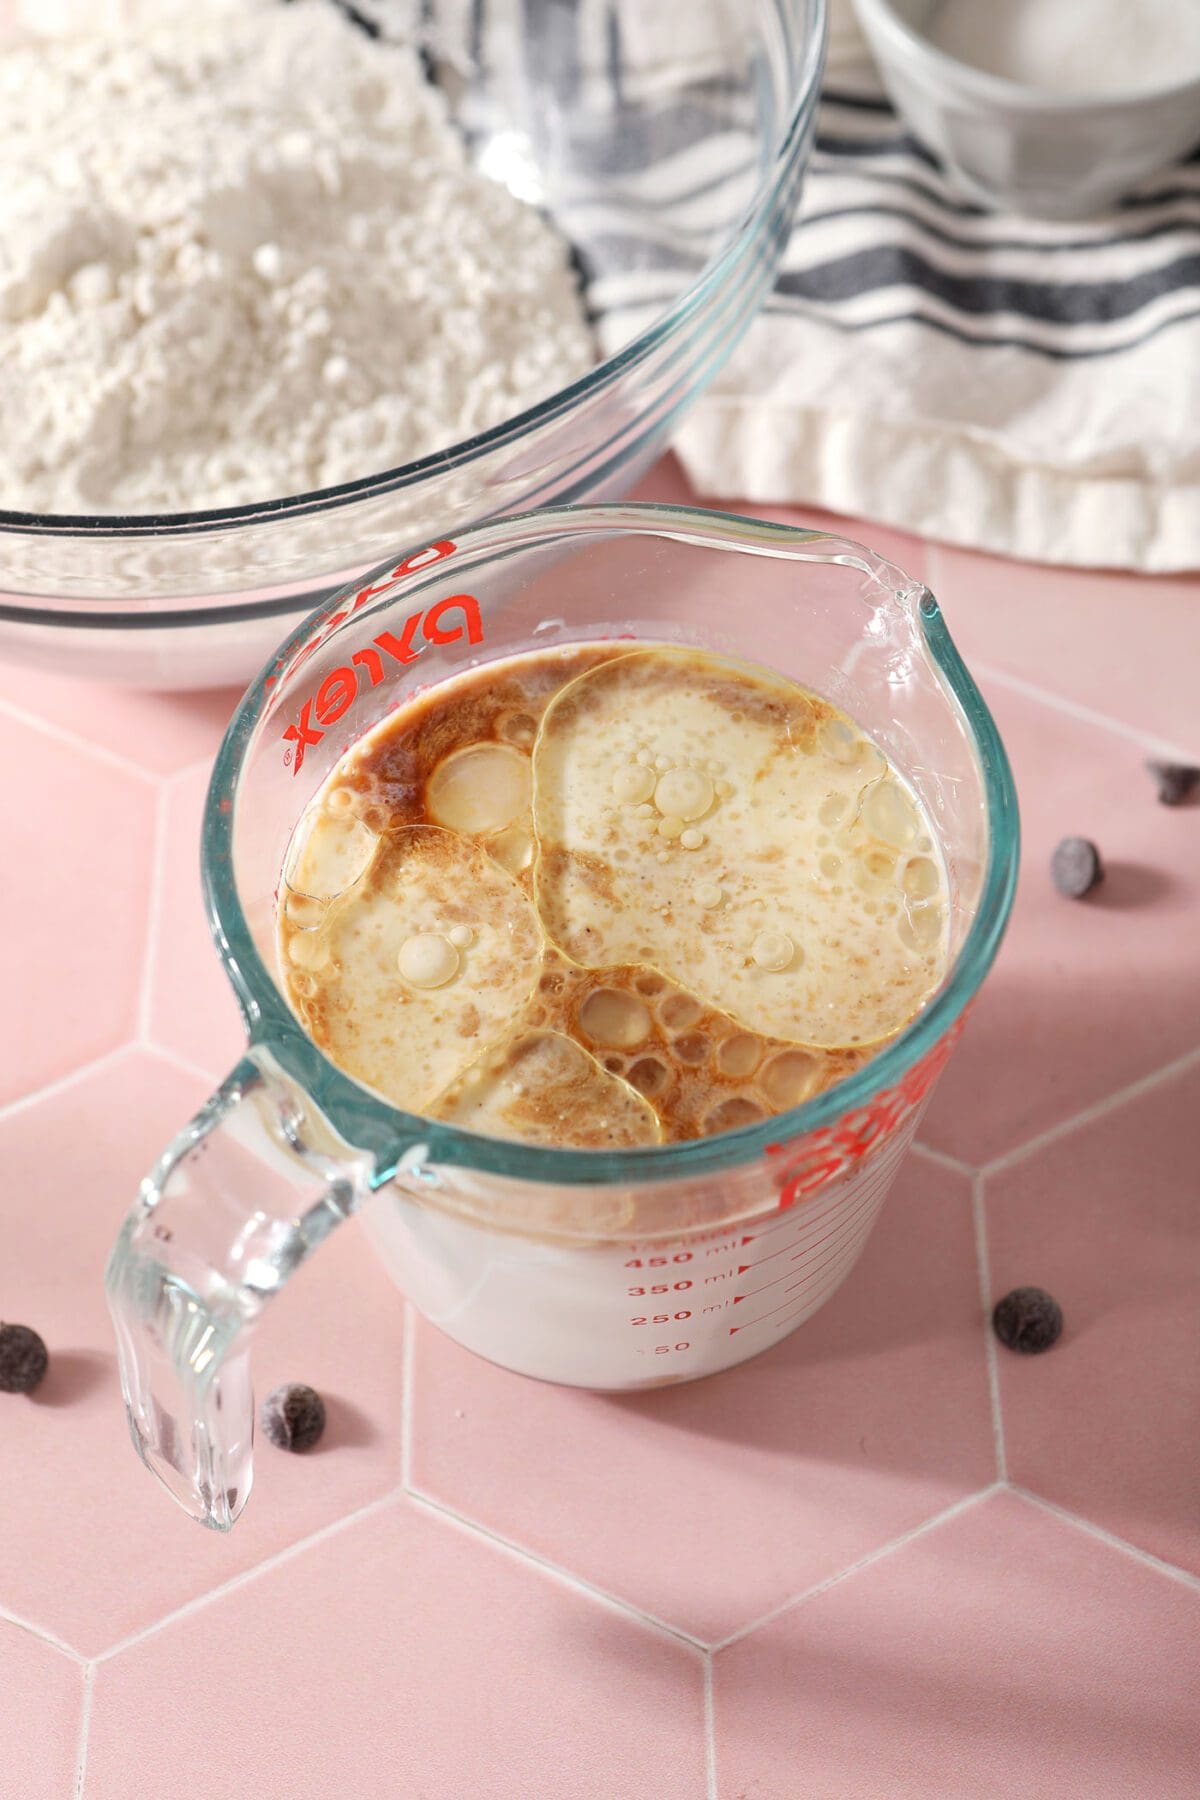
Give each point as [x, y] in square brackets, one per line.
[1022, 387]
[1026, 388]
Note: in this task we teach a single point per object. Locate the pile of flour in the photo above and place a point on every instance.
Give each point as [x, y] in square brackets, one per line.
[245, 256]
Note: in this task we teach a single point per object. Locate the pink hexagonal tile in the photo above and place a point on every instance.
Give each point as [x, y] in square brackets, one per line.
[92, 1547]
[710, 1503]
[41, 1693]
[1086, 995]
[1003, 1652]
[192, 1008]
[667, 484]
[77, 852]
[1122, 645]
[1105, 1218]
[402, 1656]
[158, 732]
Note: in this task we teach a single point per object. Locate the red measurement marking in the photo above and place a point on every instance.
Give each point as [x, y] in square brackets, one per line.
[787, 1224]
[812, 1243]
[790, 1306]
[845, 1235]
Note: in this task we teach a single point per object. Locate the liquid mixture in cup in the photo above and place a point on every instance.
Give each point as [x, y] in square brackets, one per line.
[608, 896]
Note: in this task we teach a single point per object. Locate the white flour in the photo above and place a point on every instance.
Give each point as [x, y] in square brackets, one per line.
[247, 257]
[1073, 46]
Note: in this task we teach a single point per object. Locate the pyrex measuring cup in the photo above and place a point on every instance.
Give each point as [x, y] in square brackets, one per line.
[607, 1269]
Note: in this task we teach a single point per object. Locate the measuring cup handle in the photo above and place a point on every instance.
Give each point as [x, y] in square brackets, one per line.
[216, 1231]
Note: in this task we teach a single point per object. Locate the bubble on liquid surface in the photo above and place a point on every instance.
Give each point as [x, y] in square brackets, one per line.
[888, 813]
[517, 728]
[309, 950]
[838, 739]
[692, 1048]
[304, 911]
[684, 794]
[678, 1011]
[481, 789]
[649, 1076]
[709, 894]
[633, 784]
[428, 960]
[773, 951]
[789, 1078]
[739, 1056]
[733, 1115]
[920, 927]
[512, 848]
[330, 852]
[461, 936]
[617, 1020]
[921, 879]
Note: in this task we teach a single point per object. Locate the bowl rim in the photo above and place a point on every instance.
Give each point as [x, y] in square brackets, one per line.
[93, 527]
[394, 1133]
[905, 40]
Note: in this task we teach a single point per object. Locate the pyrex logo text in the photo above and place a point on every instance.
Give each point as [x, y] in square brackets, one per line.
[341, 687]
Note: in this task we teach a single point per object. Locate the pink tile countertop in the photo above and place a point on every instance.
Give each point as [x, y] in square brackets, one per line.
[886, 1559]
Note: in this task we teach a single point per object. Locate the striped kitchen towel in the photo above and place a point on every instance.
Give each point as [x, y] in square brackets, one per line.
[1024, 387]
[1014, 385]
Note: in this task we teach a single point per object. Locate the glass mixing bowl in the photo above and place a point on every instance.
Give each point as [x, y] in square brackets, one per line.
[669, 158]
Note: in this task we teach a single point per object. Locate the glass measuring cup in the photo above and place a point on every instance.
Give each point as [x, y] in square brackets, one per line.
[607, 1269]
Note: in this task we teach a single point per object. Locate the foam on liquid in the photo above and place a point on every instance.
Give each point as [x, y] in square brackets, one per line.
[607, 897]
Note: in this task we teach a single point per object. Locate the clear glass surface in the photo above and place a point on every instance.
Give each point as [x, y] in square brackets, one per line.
[818, 608]
[674, 182]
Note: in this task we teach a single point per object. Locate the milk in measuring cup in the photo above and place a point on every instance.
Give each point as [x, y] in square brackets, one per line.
[606, 897]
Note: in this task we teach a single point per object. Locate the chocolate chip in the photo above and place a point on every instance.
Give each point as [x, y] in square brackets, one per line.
[23, 1359]
[1176, 781]
[293, 1417]
[1029, 1320]
[1075, 867]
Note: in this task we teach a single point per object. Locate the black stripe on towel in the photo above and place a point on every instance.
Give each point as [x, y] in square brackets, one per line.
[1059, 303]
[779, 303]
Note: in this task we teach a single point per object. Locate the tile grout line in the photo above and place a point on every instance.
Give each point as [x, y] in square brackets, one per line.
[1147, 1558]
[50, 1638]
[989, 1337]
[158, 870]
[1083, 715]
[407, 1389]
[183, 1064]
[942, 1159]
[565, 1577]
[59, 734]
[85, 1721]
[710, 1730]
[61, 1083]
[201, 1601]
[1099, 1109]
[864, 1562]
[204, 763]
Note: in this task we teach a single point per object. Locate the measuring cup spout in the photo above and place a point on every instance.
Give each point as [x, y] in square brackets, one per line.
[215, 1233]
